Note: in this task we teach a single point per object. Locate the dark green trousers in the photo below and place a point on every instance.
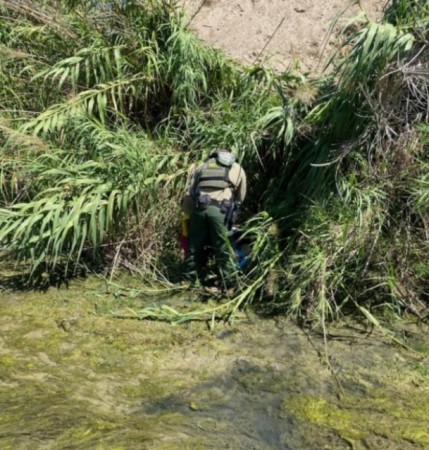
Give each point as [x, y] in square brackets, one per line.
[207, 228]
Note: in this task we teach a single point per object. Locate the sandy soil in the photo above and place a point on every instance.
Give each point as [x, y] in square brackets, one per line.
[277, 32]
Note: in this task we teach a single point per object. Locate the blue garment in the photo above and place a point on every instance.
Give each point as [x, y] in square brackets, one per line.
[242, 258]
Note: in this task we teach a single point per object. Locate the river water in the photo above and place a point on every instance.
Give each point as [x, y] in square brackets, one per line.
[72, 377]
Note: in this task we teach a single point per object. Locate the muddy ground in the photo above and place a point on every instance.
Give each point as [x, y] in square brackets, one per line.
[277, 33]
[73, 377]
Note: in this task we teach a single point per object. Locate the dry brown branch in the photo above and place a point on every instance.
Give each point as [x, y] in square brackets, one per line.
[47, 16]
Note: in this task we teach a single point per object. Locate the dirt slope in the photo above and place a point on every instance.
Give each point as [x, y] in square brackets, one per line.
[278, 32]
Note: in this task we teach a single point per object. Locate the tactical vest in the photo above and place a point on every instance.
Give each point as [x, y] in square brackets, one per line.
[214, 176]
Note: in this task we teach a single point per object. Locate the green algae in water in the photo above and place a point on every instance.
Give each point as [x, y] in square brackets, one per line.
[112, 384]
[81, 387]
[320, 412]
[356, 418]
[39, 415]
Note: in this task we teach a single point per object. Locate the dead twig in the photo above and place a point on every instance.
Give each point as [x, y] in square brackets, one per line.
[196, 13]
[269, 40]
[46, 17]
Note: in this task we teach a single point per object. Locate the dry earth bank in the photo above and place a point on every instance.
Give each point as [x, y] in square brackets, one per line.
[285, 31]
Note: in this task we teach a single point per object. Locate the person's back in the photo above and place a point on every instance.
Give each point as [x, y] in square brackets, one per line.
[220, 181]
[214, 190]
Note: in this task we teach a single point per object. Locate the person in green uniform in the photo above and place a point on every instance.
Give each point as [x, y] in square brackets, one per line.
[213, 193]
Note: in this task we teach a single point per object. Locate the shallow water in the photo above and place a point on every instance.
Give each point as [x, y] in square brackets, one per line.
[73, 378]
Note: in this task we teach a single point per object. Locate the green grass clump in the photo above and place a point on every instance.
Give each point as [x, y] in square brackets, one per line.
[104, 105]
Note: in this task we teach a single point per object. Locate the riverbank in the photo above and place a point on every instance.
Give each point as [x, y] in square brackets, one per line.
[280, 34]
[73, 377]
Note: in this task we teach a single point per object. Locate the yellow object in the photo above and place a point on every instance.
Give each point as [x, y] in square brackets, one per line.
[185, 224]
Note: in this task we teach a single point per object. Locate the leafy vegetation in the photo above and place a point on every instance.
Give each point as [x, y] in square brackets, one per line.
[104, 105]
